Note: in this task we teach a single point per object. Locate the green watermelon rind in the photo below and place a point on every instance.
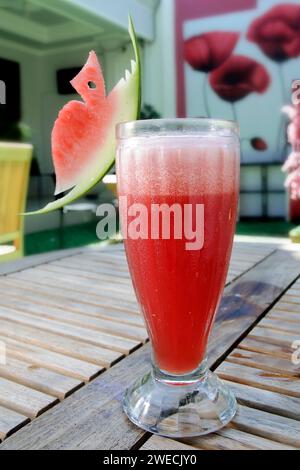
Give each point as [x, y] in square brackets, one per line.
[129, 94]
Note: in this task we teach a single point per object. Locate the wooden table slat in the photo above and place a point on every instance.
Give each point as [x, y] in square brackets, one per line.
[96, 338]
[275, 381]
[160, 443]
[38, 378]
[66, 346]
[87, 293]
[56, 362]
[272, 336]
[69, 282]
[24, 400]
[266, 400]
[281, 349]
[283, 366]
[281, 315]
[226, 439]
[133, 332]
[279, 324]
[91, 307]
[10, 421]
[274, 427]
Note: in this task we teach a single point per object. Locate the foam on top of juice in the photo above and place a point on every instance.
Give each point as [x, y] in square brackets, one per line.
[170, 165]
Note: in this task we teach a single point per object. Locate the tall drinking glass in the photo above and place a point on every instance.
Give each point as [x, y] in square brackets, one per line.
[178, 184]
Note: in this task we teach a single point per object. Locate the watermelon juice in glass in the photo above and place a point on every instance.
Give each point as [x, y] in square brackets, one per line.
[178, 184]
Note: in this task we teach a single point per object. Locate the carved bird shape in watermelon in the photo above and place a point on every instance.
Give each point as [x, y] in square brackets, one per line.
[81, 127]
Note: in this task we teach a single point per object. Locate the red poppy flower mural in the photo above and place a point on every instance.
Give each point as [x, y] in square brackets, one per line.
[258, 144]
[238, 77]
[277, 32]
[207, 51]
[232, 77]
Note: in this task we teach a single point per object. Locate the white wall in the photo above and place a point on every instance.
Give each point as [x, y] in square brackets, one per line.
[113, 11]
[114, 63]
[251, 203]
[159, 77]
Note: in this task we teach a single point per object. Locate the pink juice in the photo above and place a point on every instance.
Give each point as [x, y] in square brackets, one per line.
[179, 289]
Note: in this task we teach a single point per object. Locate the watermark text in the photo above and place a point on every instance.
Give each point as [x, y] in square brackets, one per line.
[154, 221]
[296, 354]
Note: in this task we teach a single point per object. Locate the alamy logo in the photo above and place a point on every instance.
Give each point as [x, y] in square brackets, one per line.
[2, 353]
[296, 353]
[296, 92]
[2, 92]
[154, 222]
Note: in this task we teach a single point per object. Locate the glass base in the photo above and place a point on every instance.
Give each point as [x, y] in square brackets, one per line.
[180, 406]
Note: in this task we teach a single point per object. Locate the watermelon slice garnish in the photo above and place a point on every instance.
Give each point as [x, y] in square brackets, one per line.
[83, 136]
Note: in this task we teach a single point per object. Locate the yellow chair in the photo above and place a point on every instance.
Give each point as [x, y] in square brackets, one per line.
[15, 162]
[110, 182]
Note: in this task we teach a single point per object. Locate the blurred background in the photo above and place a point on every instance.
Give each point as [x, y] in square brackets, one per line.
[232, 59]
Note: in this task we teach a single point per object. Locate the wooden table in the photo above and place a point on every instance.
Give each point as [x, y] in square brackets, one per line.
[75, 340]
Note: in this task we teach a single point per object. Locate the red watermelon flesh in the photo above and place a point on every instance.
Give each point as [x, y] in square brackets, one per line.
[82, 126]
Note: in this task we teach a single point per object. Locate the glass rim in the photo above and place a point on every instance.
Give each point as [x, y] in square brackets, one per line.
[176, 126]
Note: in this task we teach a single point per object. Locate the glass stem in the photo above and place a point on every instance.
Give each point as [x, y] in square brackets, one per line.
[185, 379]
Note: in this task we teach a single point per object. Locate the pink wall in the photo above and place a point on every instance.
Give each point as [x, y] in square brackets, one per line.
[188, 9]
